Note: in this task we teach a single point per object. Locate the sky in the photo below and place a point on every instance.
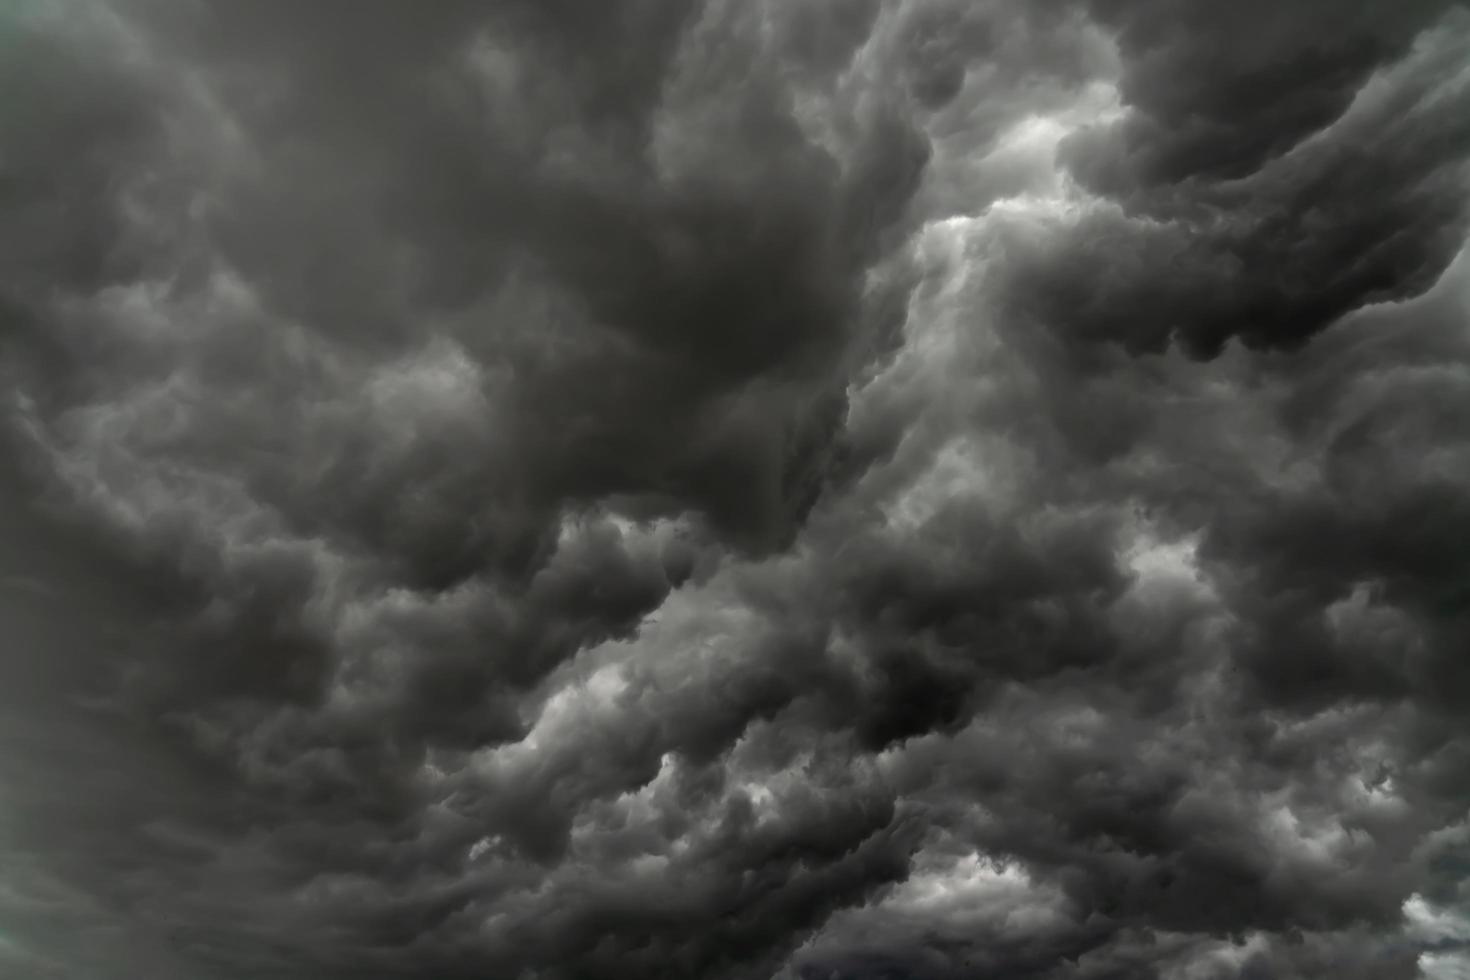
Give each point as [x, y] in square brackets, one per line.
[734, 489]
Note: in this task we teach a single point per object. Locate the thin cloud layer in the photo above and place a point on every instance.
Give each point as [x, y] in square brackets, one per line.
[754, 490]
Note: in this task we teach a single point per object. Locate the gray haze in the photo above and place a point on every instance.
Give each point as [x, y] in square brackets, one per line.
[793, 489]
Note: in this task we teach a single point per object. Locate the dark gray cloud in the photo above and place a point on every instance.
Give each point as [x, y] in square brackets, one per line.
[1263, 179]
[751, 490]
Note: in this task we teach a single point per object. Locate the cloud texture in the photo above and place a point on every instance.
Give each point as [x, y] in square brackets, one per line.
[790, 489]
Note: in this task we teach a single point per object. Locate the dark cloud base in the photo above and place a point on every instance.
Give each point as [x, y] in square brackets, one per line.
[822, 491]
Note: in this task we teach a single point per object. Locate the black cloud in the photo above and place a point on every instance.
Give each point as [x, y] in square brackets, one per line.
[711, 489]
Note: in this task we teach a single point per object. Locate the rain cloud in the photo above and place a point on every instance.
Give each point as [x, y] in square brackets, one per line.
[734, 489]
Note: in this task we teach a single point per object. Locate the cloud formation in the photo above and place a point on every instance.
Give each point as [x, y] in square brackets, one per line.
[797, 490]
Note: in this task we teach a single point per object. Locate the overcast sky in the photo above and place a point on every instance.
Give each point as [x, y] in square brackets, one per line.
[734, 489]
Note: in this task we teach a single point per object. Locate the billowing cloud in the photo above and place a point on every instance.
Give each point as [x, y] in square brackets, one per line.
[789, 490]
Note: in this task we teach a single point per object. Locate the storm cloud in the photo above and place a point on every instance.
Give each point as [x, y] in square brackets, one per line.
[792, 489]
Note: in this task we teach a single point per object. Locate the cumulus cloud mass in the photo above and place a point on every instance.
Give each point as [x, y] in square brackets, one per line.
[734, 489]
